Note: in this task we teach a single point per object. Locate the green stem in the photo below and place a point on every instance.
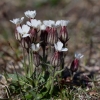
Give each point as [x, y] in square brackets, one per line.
[52, 85]
[63, 58]
[29, 67]
[31, 56]
[25, 68]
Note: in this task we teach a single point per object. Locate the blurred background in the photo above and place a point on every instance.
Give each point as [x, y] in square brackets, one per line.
[84, 27]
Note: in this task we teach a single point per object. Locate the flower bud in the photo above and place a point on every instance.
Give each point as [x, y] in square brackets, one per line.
[43, 35]
[55, 60]
[33, 34]
[52, 36]
[17, 35]
[36, 59]
[26, 42]
[75, 63]
[63, 34]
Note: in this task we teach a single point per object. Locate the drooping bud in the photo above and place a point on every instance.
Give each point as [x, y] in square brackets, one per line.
[63, 32]
[75, 63]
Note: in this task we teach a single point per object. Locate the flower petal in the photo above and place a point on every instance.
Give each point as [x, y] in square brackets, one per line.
[21, 19]
[30, 14]
[59, 45]
[28, 23]
[55, 45]
[38, 45]
[58, 23]
[25, 28]
[46, 22]
[51, 23]
[12, 21]
[33, 14]
[43, 27]
[25, 35]
[26, 14]
[34, 22]
[78, 55]
[17, 20]
[33, 46]
[64, 49]
[64, 22]
[39, 22]
[19, 30]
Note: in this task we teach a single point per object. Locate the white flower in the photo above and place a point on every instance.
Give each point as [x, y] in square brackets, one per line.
[46, 22]
[51, 23]
[64, 22]
[17, 21]
[35, 47]
[78, 55]
[30, 14]
[59, 46]
[42, 27]
[24, 30]
[58, 23]
[34, 23]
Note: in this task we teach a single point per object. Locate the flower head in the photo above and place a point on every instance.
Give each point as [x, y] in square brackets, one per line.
[78, 55]
[75, 63]
[64, 22]
[17, 21]
[30, 14]
[46, 23]
[51, 23]
[63, 31]
[35, 47]
[34, 23]
[59, 46]
[42, 27]
[43, 35]
[23, 30]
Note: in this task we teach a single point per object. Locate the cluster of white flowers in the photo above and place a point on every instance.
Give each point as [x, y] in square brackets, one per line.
[26, 34]
[24, 30]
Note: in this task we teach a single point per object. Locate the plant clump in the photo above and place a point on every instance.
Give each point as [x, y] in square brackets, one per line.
[44, 78]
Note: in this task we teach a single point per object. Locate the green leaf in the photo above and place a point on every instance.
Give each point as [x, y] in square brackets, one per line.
[58, 72]
[40, 96]
[29, 80]
[28, 96]
[13, 77]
